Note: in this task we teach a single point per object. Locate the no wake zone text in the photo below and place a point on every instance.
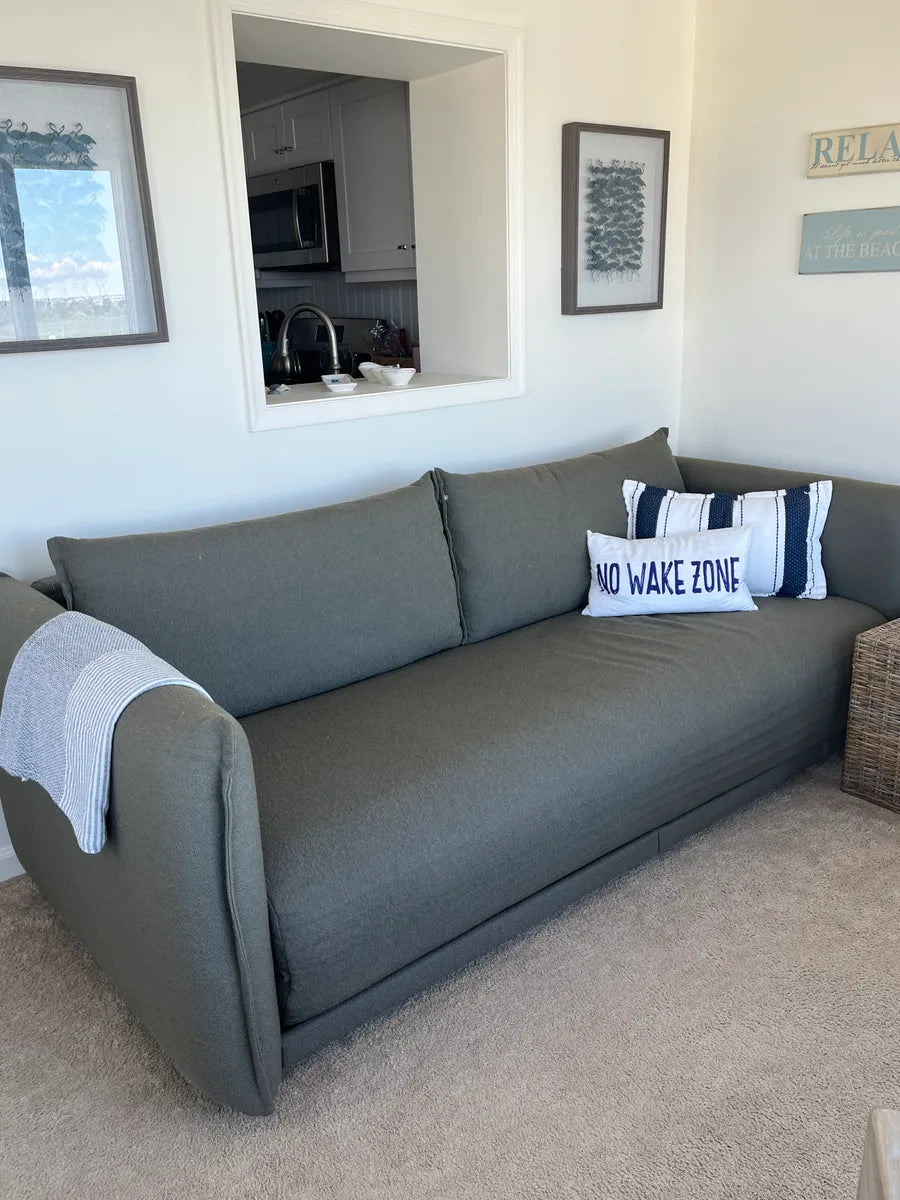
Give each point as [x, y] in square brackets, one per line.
[666, 578]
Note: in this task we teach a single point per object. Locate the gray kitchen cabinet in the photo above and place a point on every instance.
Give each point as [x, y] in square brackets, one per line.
[373, 174]
[307, 129]
[263, 133]
[286, 135]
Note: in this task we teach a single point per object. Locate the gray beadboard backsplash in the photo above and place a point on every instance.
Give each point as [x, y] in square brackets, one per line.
[395, 301]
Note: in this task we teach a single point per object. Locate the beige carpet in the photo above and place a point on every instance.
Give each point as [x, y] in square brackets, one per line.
[717, 1024]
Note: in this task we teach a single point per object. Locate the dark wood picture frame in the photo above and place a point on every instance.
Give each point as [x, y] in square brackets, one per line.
[127, 84]
[571, 225]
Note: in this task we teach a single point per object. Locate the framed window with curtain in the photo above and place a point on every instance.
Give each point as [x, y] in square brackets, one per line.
[78, 258]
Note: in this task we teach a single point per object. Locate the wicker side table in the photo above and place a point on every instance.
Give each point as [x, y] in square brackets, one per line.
[872, 755]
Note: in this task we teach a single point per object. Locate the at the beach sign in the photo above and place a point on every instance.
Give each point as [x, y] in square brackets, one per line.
[856, 239]
[854, 151]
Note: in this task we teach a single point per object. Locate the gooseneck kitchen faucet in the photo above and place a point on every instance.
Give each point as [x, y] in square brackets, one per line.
[283, 355]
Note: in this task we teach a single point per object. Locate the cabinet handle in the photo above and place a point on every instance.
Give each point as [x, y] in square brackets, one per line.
[287, 149]
[279, 150]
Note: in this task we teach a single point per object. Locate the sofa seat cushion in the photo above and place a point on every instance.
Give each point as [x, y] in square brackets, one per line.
[401, 811]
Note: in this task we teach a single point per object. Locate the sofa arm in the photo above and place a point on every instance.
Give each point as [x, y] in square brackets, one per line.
[174, 907]
[861, 541]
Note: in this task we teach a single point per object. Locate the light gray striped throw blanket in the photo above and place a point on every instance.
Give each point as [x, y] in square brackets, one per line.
[67, 688]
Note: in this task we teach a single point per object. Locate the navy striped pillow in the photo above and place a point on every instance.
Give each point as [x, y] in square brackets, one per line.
[785, 552]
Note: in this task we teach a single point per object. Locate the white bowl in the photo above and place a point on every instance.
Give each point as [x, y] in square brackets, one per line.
[341, 385]
[397, 376]
[370, 371]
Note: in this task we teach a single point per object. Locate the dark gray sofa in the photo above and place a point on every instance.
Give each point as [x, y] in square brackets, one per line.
[419, 747]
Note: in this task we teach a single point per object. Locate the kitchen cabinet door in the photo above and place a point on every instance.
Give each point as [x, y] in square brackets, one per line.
[307, 130]
[264, 140]
[373, 173]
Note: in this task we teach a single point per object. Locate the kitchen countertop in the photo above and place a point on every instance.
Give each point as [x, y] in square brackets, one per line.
[312, 392]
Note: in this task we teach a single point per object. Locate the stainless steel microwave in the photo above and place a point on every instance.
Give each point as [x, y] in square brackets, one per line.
[293, 218]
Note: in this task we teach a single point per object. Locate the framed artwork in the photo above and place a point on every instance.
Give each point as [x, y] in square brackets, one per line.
[614, 190]
[78, 260]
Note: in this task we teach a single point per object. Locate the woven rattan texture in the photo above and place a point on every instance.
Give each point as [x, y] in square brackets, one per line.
[872, 755]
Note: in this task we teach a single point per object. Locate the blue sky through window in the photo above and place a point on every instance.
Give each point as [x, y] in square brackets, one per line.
[71, 237]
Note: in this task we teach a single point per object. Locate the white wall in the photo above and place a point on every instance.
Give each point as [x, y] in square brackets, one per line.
[779, 368]
[458, 133]
[153, 437]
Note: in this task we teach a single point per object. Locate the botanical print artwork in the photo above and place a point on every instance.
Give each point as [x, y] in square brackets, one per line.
[614, 218]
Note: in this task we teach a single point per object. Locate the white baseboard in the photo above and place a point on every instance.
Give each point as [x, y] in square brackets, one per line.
[9, 864]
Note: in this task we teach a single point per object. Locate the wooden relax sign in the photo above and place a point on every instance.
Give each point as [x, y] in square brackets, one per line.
[854, 151]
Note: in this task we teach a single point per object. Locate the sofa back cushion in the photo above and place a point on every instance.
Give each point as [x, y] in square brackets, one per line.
[269, 611]
[518, 536]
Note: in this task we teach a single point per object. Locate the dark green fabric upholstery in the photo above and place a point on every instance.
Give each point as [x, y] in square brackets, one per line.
[401, 824]
[861, 540]
[518, 536]
[300, 1041]
[303, 1040]
[50, 586]
[174, 907]
[399, 812]
[265, 612]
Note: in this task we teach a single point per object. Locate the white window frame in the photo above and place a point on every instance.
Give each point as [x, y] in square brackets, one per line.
[362, 17]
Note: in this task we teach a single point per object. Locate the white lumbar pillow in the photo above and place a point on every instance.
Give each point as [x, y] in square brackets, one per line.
[786, 555]
[693, 572]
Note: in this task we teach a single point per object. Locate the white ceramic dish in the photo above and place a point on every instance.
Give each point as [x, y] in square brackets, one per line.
[341, 385]
[397, 376]
[370, 371]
